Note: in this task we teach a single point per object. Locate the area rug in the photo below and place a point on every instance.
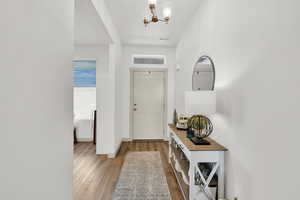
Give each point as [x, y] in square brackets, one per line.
[142, 178]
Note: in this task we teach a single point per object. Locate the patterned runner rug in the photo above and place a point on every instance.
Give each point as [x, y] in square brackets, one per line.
[142, 178]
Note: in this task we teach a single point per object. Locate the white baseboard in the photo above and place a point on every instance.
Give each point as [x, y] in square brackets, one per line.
[113, 155]
[127, 140]
[85, 139]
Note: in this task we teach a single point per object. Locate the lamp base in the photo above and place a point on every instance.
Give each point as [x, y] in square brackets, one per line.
[199, 141]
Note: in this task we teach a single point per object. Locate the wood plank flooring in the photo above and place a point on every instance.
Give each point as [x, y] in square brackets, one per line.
[95, 178]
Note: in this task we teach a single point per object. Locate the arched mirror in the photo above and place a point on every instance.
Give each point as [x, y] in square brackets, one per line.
[204, 74]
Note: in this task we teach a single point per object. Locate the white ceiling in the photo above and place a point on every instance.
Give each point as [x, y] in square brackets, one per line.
[88, 27]
[128, 17]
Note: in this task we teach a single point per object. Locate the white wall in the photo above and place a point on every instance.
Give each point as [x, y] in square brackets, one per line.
[36, 100]
[93, 52]
[117, 51]
[106, 107]
[255, 46]
[128, 51]
[109, 139]
[107, 21]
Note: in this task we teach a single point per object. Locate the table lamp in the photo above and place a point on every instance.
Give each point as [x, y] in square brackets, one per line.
[200, 105]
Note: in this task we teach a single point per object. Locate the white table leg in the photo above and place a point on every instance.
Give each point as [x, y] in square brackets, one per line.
[221, 178]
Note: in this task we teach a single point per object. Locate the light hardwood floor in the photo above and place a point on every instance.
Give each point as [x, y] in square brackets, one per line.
[95, 178]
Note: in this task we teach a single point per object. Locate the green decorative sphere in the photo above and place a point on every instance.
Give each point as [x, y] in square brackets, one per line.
[201, 126]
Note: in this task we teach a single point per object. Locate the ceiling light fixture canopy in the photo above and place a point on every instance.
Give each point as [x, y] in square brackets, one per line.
[152, 2]
[154, 18]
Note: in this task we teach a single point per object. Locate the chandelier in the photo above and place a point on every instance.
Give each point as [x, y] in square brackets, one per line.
[154, 18]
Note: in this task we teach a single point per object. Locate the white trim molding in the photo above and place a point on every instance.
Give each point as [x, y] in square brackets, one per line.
[165, 119]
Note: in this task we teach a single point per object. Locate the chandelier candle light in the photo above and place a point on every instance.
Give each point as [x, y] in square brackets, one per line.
[154, 18]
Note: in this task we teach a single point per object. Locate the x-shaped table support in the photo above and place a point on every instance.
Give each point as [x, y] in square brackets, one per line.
[205, 182]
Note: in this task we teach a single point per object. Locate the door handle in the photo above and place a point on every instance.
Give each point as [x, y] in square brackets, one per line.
[134, 109]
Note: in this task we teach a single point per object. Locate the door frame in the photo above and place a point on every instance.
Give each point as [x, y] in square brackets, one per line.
[165, 108]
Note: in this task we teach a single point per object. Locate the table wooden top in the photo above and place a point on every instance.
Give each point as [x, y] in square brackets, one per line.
[214, 146]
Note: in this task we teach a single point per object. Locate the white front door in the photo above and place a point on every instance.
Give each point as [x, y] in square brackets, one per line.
[148, 105]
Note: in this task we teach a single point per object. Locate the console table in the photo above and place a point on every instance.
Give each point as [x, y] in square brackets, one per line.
[187, 161]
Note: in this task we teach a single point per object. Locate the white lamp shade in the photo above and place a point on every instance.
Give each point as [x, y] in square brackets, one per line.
[200, 102]
[151, 2]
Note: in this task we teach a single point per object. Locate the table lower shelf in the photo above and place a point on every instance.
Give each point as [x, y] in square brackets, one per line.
[183, 186]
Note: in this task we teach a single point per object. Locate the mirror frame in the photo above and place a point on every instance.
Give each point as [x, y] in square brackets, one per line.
[213, 67]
